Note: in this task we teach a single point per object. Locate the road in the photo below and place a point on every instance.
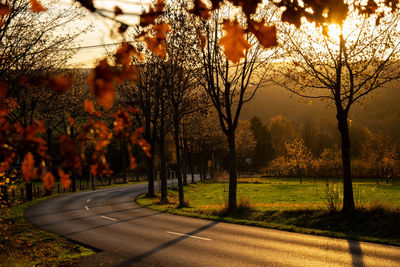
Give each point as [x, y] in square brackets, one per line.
[129, 235]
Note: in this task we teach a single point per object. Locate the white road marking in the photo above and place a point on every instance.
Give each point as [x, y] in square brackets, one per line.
[192, 236]
[105, 217]
[86, 207]
[88, 200]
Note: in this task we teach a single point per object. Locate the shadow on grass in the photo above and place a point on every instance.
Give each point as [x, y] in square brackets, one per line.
[374, 224]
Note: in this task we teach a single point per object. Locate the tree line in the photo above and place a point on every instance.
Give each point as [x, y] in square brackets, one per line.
[185, 58]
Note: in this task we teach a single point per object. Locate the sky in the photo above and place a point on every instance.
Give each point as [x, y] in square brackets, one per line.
[100, 31]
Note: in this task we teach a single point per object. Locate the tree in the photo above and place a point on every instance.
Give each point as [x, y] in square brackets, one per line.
[342, 68]
[32, 51]
[230, 84]
[263, 150]
[282, 130]
[298, 157]
[179, 77]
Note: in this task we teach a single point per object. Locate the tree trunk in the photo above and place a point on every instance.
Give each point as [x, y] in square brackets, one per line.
[191, 166]
[149, 161]
[343, 126]
[73, 182]
[232, 204]
[163, 172]
[29, 193]
[124, 174]
[178, 162]
[184, 165]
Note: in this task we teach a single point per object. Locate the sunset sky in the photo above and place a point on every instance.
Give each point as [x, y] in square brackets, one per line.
[101, 28]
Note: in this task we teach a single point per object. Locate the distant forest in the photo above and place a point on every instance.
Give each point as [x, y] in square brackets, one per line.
[381, 111]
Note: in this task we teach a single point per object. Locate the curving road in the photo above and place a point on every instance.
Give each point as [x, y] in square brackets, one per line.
[128, 235]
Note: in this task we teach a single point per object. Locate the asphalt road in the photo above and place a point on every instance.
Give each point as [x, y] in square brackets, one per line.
[129, 235]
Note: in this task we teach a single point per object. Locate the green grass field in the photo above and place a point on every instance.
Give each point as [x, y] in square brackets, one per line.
[287, 204]
[277, 193]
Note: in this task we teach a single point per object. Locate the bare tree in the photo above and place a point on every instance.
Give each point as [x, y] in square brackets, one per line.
[341, 66]
[229, 85]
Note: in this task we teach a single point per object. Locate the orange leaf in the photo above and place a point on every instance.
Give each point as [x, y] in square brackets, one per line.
[266, 35]
[157, 44]
[48, 180]
[233, 42]
[4, 10]
[122, 27]
[117, 11]
[124, 53]
[132, 162]
[87, 4]
[202, 39]
[60, 82]
[161, 30]
[215, 4]
[101, 82]
[200, 9]
[292, 15]
[157, 47]
[148, 18]
[28, 167]
[71, 121]
[88, 106]
[133, 110]
[36, 6]
[248, 7]
[64, 179]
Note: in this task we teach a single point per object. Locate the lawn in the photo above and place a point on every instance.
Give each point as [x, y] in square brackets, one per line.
[287, 204]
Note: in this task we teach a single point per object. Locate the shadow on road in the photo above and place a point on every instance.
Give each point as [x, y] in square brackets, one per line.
[356, 253]
[167, 244]
[108, 224]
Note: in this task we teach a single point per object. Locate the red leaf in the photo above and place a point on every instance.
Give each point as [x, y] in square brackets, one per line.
[64, 179]
[36, 6]
[28, 167]
[48, 180]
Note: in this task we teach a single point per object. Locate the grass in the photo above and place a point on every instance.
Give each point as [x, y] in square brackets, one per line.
[288, 205]
[22, 244]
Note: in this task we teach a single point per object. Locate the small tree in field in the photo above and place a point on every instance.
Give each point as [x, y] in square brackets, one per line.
[298, 157]
[341, 64]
